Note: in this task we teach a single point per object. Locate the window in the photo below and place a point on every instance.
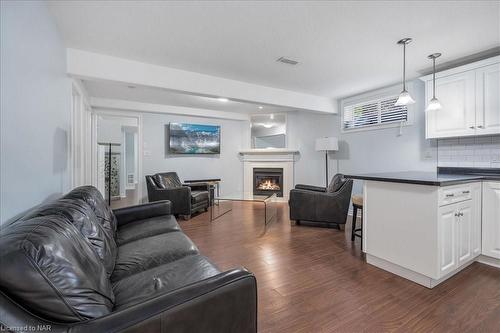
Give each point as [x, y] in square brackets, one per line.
[374, 112]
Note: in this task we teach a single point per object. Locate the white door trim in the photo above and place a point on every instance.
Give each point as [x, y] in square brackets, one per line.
[118, 114]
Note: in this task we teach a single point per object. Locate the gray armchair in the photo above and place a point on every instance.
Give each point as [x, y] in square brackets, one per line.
[319, 205]
[186, 199]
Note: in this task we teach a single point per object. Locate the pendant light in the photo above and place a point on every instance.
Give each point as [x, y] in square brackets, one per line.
[404, 97]
[434, 103]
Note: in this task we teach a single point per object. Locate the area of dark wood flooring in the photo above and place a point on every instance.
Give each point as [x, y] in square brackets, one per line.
[316, 280]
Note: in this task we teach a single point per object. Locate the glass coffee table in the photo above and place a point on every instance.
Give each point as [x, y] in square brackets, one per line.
[269, 201]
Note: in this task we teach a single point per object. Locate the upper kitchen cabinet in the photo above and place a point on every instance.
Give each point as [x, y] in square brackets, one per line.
[470, 99]
[488, 99]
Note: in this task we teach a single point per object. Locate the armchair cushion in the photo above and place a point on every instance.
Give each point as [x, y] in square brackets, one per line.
[310, 188]
[144, 254]
[139, 287]
[167, 180]
[199, 196]
[336, 183]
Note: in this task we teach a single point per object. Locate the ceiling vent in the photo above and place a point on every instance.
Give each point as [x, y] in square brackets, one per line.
[287, 61]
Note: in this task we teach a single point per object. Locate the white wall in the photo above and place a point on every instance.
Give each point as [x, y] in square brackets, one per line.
[235, 136]
[303, 130]
[35, 108]
[383, 150]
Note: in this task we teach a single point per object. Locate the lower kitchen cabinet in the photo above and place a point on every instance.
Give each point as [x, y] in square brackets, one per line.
[491, 219]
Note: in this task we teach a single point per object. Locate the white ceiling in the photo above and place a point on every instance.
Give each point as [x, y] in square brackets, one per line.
[343, 47]
[111, 90]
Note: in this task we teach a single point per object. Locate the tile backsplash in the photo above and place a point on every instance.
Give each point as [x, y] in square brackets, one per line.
[478, 152]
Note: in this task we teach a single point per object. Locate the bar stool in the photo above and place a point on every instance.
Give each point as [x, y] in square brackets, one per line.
[357, 203]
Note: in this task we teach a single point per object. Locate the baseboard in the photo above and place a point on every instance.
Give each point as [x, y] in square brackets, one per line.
[412, 275]
[488, 261]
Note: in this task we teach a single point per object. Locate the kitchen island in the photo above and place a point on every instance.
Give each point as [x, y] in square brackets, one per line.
[426, 226]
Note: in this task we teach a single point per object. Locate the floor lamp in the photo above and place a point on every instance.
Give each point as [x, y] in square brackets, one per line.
[327, 144]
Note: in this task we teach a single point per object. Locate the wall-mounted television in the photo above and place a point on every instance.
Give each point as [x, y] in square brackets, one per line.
[193, 139]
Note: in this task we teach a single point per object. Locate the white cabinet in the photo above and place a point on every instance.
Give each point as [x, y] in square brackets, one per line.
[470, 99]
[488, 99]
[491, 219]
[464, 232]
[459, 226]
[447, 238]
[457, 116]
[458, 230]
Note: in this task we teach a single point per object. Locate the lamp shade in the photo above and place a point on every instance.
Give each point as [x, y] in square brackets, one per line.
[327, 144]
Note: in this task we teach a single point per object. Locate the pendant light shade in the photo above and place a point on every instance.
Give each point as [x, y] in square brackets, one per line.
[434, 103]
[404, 97]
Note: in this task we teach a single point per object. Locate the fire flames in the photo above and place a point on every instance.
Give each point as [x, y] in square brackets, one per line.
[268, 185]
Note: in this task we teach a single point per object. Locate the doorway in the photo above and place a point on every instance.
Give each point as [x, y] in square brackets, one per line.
[117, 158]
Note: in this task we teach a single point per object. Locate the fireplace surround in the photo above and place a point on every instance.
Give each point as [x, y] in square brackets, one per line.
[269, 158]
[268, 180]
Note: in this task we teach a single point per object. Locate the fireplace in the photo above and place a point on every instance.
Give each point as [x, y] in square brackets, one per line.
[268, 180]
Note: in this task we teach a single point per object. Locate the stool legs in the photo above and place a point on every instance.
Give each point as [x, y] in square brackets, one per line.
[354, 233]
[354, 216]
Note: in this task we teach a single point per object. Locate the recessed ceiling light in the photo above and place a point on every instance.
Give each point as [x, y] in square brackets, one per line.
[271, 116]
[287, 61]
[222, 99]
[261, 107]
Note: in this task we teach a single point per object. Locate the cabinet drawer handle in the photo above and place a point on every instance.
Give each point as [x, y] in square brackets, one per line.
[465, 192]
[471, 127]
[480, 126]
[450, 195]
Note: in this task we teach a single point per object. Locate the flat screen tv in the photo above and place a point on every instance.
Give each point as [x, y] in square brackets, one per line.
[193, 139]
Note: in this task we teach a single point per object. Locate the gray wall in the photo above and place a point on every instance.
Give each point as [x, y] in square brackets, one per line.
[303, 130]
[383, 150]
[35, 108]
[235, 136]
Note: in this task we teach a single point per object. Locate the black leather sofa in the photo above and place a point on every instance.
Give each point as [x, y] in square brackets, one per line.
[320, 206]
[186, 199]
[74, 265]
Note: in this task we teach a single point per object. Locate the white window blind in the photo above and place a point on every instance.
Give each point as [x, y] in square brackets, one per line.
[374, 112]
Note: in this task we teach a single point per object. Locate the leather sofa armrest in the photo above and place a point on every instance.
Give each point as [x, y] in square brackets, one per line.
[140, 212]
[310, 188]
[226, 302]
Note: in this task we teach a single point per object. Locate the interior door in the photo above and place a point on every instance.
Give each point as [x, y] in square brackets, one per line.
[457, 96]
[491, 219]
[488, 100]
[447, 239]
[464, 232]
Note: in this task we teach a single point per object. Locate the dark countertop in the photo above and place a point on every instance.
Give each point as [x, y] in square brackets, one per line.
[444, 178]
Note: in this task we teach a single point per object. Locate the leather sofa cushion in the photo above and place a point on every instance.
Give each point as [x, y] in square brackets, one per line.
[94, 198]
[53, 271]
[199, 196]
[146, 253]
[153, 282]
[139, 229]
[82, 216]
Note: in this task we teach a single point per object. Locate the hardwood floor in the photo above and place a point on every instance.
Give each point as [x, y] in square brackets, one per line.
[314, 280]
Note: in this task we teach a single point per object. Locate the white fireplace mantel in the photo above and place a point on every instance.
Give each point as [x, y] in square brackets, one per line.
[269, 151]
[269, 158]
